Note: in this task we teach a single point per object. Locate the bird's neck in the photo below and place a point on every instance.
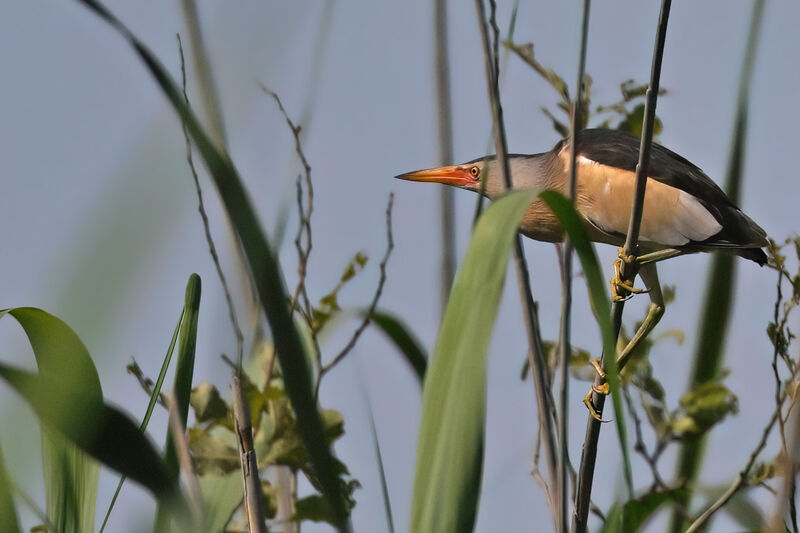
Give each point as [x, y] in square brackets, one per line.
[535, 171]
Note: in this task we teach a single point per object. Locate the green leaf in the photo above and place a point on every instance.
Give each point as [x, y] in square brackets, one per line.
[702, 408]
[264, 269]
[182, 388]
[573, 224]
[8, 514]
[100, 430]
[212, 454]
[185, 365]
[449, 453]
[70, 476]
[404, 340]
[314, 508]
[633, 515]
[207, 403]
[221, 496]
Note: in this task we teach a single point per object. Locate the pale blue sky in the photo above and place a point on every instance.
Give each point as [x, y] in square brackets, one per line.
[100, 222]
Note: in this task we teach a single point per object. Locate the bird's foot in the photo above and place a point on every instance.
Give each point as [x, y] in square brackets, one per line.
[600, 388]
[621, 289]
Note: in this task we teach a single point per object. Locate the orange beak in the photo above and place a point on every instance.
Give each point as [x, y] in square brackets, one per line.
[456, 175]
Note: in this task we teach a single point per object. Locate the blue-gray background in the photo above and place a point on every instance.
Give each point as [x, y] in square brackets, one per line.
[99, 221]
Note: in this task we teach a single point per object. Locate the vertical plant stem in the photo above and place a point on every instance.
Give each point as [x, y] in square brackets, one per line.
[253, 495]
[202, 65]
[530, 313]
[445, 123]
[589, 456]
[181, 445]
[709, 353]
[566, 284]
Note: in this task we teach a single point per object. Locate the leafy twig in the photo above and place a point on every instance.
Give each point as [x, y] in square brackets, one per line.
[368, 315]
[303, 239]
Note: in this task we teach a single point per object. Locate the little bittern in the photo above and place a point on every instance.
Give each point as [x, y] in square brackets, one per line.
[684, 210]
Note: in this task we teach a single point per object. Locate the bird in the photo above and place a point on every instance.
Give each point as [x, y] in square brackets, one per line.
[684, 210]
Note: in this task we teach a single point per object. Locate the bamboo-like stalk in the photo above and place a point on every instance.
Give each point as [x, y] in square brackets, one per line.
[709, 353]
[253, 495]
[445, 124]
[566, 281]
[589, 456]
[530, 314]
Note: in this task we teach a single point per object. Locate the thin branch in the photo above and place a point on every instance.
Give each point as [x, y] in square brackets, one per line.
[206, 226]
[303, 241]
[368, 315]
[253, 495]
[445, 124]
[566, 286]
[589, 456]
[530, 319]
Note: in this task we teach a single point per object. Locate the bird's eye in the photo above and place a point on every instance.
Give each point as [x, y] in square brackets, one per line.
[475, 171]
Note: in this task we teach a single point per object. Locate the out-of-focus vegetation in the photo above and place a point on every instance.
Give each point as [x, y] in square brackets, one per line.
[199, 478]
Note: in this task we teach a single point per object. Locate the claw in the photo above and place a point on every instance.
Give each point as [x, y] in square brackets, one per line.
[587, 401]
[603, 388]
[618, 283]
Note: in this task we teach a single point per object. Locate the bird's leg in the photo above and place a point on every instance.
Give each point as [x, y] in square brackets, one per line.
[649, 275]
[621, 289]
[660, 255]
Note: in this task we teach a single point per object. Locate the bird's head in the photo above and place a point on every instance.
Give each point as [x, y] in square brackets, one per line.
[526, 171]
[466, 176]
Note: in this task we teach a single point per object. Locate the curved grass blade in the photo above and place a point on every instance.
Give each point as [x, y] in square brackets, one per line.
[450, 449]
[8, 514]
[265, 271]
[387, 502]
[184, 372]
[152, 403]
[70, 476]
[100, 430]
[574, 225]
[403, 339]
[66, 396]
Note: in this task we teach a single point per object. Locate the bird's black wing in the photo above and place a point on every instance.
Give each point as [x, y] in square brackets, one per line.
[621, 150]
